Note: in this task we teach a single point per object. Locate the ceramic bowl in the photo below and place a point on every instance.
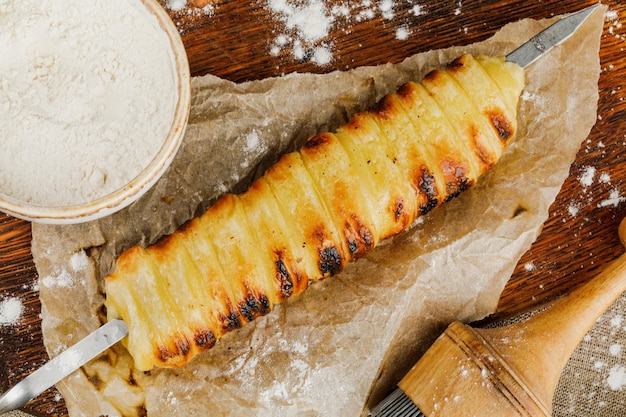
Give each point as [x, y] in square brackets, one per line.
[120, 198]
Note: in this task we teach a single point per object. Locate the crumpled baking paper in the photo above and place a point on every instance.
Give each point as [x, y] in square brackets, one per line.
[343, 344]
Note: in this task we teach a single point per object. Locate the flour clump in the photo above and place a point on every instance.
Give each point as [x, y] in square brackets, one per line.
[87, 96]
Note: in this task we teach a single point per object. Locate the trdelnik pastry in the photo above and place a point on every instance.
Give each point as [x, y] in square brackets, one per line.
[315, 210]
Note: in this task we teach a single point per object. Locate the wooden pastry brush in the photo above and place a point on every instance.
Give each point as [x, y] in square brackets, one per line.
[507, 371]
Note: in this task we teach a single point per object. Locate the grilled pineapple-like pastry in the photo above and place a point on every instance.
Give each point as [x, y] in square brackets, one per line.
[314, 211]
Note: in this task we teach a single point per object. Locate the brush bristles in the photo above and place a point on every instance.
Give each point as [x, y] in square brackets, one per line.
[397, 404]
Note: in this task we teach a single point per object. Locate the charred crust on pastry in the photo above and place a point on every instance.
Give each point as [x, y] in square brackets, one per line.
[105, 359]
[358, 236]
[254, 305]
[457, 64]
[331, 261]
[426, 186]
[317, 141]
[330, 257]
[405, 92]
[502, 125]
[485, 156]
[142, 411]
[181, 348]
[365, 233]
[301, 281]
[398, 209]
[282, 275]
[230, 321]
[434, 76]
[458, 188]
[428, 206]
[385, 108]
[96, 381]
[204, 338]
[353, 245]
[131, 380]
[455, 175]
[164, 354]
[182, 345]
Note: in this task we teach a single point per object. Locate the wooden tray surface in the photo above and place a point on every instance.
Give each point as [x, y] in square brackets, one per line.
[233, 42]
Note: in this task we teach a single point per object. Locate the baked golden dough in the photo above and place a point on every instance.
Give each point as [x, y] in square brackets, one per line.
[315, 210]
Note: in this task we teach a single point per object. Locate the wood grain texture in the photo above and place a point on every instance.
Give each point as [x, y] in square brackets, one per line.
[234, 42]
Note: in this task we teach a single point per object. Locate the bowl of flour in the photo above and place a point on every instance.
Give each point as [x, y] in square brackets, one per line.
[94, 101]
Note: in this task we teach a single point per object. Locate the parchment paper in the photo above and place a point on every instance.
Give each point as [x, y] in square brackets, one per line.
[338, 348]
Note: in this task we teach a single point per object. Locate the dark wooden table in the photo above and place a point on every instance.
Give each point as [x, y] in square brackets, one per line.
[235, 41]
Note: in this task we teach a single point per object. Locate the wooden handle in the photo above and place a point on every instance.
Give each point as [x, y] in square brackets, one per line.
[539, 348]
[462, 375]
[511, 370]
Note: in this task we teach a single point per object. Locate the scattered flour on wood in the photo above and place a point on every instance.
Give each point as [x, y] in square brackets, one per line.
[573, 208]
[587, 177]
[418, 10]
[303, 26]
[386, 8]
[306, 25]
[402, 33]
[459, 8]
[530, 267]
[615, 199]
[32, 286]
[593, 183]
[176, 5]
[605, 178]
[11, 310]
[614, 24]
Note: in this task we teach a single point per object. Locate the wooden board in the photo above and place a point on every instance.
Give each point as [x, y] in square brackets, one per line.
[235, 42]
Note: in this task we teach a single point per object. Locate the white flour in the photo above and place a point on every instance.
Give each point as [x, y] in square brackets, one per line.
[617, 378]
[306, 29]
[10, 310]
[308, 24]
[586, 179]
[87, 93]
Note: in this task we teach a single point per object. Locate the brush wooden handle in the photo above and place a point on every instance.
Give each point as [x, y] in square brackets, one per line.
[511, 370]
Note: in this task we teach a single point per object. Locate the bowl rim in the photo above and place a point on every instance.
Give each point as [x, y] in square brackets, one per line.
[135, 188]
